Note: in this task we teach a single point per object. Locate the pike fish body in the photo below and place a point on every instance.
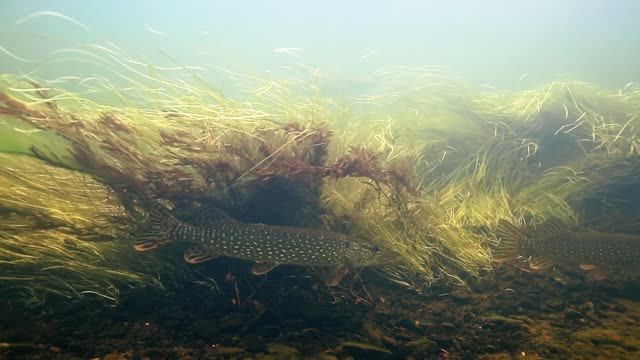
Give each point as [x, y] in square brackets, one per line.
[554, 244]
[268, 245]
[278, 244]
[605, 250]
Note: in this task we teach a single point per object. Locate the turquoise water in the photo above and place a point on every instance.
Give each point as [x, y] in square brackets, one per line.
[499, 43]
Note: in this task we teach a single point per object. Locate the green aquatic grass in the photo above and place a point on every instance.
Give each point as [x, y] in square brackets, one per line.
[64, 234]
[524, 157]
[427, 167]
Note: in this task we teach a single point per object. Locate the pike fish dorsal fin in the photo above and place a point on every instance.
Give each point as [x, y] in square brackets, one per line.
[551, 227]
[210, 215]
[197, 254]
[334, 275]
[261, 268]
[540, 262]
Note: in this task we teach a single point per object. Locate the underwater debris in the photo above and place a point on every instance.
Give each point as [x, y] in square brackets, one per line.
[363, 349]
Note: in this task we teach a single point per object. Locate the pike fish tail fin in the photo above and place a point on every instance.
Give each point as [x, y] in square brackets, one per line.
[510, 238]
[158, 230]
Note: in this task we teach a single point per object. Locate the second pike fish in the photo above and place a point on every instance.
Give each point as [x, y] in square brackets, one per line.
[554, 243]
[268, 245]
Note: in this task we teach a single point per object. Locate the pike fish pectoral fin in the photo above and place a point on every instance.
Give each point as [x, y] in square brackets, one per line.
[197, 254]
[261, 268]
[540, 262]
[148, 244]
[334, 275]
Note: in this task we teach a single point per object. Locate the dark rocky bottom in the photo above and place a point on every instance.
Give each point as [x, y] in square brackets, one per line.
[513, 314]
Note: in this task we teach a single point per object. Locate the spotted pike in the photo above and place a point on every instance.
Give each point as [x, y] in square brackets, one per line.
[553, 243]
[268, 245]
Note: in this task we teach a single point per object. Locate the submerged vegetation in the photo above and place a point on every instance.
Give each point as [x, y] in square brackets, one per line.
[59, 233]
[427, 168]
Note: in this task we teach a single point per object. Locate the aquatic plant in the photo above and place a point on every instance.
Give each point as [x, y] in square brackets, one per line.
[222, 153]
[523, 156]
[63, 234]
[427, 168]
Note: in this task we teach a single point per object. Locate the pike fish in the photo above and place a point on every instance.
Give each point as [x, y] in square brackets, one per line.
[554, 243]
[267, 245]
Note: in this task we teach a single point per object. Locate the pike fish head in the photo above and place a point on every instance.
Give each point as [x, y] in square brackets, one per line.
[360, 253]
